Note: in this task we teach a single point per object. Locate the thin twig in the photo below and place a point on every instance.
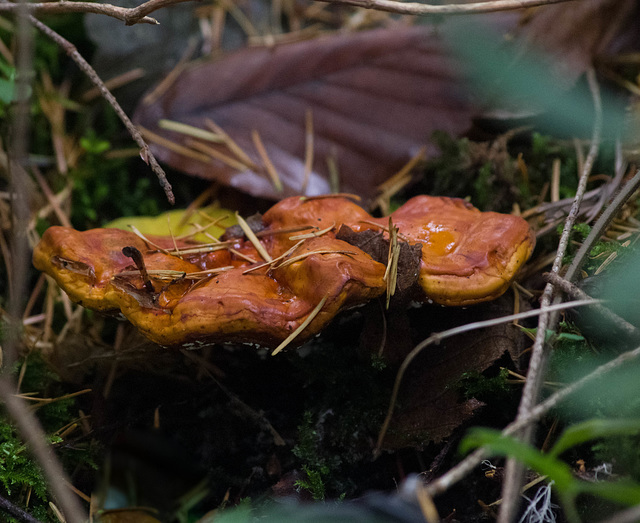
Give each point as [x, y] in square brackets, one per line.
[145, 153]
[576, 293]
[539, 354]
[16, 512]
[415, 8]
[129, 15]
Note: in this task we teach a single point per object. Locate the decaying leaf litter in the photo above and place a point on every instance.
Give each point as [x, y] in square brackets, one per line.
[323, 458]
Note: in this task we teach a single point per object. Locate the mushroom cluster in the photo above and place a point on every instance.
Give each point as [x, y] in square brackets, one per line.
[289, 274]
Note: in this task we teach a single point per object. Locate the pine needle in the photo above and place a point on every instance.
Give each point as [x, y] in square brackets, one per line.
[302, 326]
[173, 238]
[268, 165]
[313, 234]
[166, 274]
[295, 259]
[231, 144]
[202, 228]
[386, 229]
[150, 136]
[252, 237]
[135, 231]
[332, 195]
[285, 254]
[308, 149]
[217, 155]
[189, 130]
[204, 248]
[284, 230]
[391, 274]
[334, 171]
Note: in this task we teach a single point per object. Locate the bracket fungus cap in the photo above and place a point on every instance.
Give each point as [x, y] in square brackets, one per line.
[187, 294]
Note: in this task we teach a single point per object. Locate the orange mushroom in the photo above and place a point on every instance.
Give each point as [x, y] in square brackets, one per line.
[188, 294]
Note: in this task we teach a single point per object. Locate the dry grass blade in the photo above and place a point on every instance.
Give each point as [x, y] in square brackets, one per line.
[268, 164]
[189, 130]
[302, 327]
[252, 238]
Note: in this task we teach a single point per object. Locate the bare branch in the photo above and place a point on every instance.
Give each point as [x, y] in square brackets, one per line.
[129, 15]
[576, 293]
[415, 8]
[136, 14]
[539, 352]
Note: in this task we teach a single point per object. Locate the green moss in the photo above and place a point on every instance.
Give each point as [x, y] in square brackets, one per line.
[347, 399]
[20, 474]
[488, 389]
[104, 188]
[314, 482]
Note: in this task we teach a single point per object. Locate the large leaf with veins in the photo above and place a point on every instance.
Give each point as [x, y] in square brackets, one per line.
[375, 99]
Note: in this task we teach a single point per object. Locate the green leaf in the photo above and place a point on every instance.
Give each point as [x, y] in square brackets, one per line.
[94, 145]
[592, 429]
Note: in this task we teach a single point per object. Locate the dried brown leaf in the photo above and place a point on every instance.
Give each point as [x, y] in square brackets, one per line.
[431, 404]
[376, 97]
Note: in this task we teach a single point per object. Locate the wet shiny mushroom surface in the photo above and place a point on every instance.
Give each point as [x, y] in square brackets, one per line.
[289, 280]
